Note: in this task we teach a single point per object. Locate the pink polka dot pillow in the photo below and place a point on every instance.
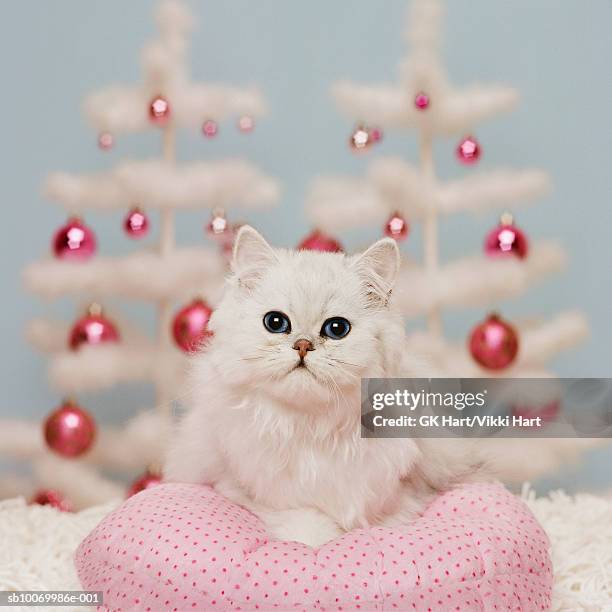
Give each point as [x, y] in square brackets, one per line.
[185, 547]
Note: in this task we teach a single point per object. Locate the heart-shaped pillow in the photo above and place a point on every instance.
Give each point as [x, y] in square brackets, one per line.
[185, 547]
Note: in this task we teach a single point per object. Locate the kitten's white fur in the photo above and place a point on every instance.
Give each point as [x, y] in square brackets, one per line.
[285, 441]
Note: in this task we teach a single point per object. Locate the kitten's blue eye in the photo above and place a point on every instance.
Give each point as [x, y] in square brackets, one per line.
[336, 328]
[277, 322]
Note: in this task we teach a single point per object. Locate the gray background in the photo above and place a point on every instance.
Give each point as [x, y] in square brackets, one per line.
[556, 53]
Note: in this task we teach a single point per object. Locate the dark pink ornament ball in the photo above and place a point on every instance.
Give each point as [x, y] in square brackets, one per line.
[74, 241]
[69, 431]
[92, 329]
[210, 128]
[376, 135]
[506, 239]
[145, 481]
[468, 151]
[190, 326]
[318, 241]
[136, 223]
[421, 101]
[494, 343]
[50, 497]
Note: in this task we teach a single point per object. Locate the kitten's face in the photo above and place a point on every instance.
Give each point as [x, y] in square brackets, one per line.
[304, 327]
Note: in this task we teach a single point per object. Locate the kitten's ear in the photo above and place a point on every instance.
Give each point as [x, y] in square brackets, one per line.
[378, 267]
[251, 257]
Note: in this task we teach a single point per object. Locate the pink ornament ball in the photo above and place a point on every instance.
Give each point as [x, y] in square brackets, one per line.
[376, 135]
[547, 413]
[210, 128]
[227, 241]
[69, 431]
[190, 326]
[218, 225]
[92, 329]
[421, 101]
[494, 343]
[506, 240]
[397, 227]
[136, 224]
[318, 241]
[146, 481]
[105, 141]
[159, 111]
[246, 124]
[50, 497]
[468, 151]
[74, 241]
[360, 138]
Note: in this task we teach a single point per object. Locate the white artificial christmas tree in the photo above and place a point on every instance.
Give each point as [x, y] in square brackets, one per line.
[396, 192]
[167, 275]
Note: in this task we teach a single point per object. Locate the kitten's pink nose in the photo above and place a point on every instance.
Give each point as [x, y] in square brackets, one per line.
[303, 346]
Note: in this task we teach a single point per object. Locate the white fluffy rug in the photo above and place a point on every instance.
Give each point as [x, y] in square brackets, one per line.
[37, 544]
[580, 531]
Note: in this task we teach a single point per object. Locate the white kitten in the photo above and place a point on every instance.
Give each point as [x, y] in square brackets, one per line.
[275, 414]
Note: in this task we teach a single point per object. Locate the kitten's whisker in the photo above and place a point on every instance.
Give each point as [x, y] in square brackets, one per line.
[266, 351]
[343, 362]
[348, 374]
[341, 395]
[336, 390]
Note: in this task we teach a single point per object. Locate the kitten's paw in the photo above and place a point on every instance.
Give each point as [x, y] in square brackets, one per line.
[305, 525]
